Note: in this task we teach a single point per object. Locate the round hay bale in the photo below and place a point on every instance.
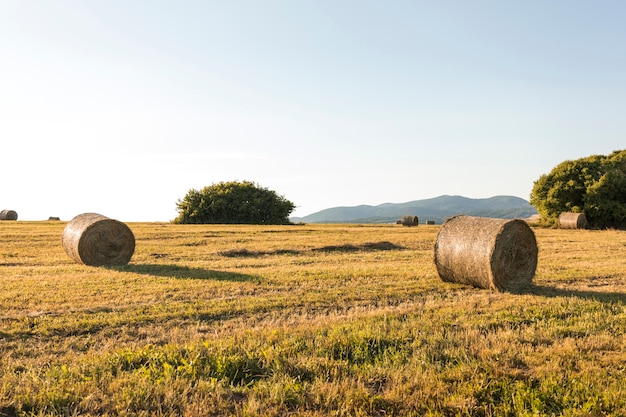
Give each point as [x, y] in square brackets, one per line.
[499, 254]
[430, 222]
[8, 215]
[568, 220]
[96, 240]
[409, 221]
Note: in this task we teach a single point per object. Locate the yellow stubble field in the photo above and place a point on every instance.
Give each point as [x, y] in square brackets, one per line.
[311, 320]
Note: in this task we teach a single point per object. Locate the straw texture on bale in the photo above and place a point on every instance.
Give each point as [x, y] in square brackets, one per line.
[409, 221]
[569, 220]
[94, 239]
[8, 215]
[498, 254]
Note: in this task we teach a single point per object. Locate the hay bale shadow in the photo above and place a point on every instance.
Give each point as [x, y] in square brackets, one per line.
[553, 292]
[184, 272]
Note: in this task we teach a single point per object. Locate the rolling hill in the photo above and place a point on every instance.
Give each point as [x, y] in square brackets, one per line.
[436, 209]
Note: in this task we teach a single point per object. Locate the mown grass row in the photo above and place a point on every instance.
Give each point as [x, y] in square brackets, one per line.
[306, 320]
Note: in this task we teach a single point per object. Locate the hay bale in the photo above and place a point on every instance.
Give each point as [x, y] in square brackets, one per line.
[430, 222]
[409, 221]
[498, 254]
[569, 220]
[8, 215]
[93, 239]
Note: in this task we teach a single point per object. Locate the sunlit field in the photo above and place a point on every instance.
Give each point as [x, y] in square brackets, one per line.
[306, 320]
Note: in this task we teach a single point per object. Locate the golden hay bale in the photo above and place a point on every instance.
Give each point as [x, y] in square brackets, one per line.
[93, 239]
[409, 221]
[490, 253]
[8, 215]
[569, 220]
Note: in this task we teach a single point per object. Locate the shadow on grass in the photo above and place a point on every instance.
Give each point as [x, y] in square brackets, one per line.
[245, 253]
[370, 246]
[184, 272]
[8, 411]
[365, 247]
[604, 297]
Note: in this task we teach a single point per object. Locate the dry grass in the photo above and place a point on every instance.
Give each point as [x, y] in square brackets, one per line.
[306, 320]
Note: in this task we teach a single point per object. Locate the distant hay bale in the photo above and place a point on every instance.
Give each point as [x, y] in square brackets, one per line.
[51, 218]
[489, 253]
[568, 220]
[430, 222]
[409, 221]
[96, 240]
[8, 215]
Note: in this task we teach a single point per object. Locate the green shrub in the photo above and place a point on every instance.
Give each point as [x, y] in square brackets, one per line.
[233, 203]
[595, 186]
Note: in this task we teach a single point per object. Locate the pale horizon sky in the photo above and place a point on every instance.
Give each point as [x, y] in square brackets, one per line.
[121, 107]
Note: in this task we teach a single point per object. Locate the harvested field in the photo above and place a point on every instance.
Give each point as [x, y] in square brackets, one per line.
[306, 320]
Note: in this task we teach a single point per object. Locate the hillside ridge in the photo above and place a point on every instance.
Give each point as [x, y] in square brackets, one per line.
[435, 209]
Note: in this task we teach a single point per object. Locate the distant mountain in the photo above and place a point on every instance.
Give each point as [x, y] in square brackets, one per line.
[436, 209]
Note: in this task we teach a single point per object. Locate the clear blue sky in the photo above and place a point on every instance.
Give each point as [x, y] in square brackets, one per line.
[120, 107]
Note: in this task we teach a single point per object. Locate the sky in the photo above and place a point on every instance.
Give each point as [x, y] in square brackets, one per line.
[121, 107]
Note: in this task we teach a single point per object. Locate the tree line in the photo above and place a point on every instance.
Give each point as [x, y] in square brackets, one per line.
[594, 185]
